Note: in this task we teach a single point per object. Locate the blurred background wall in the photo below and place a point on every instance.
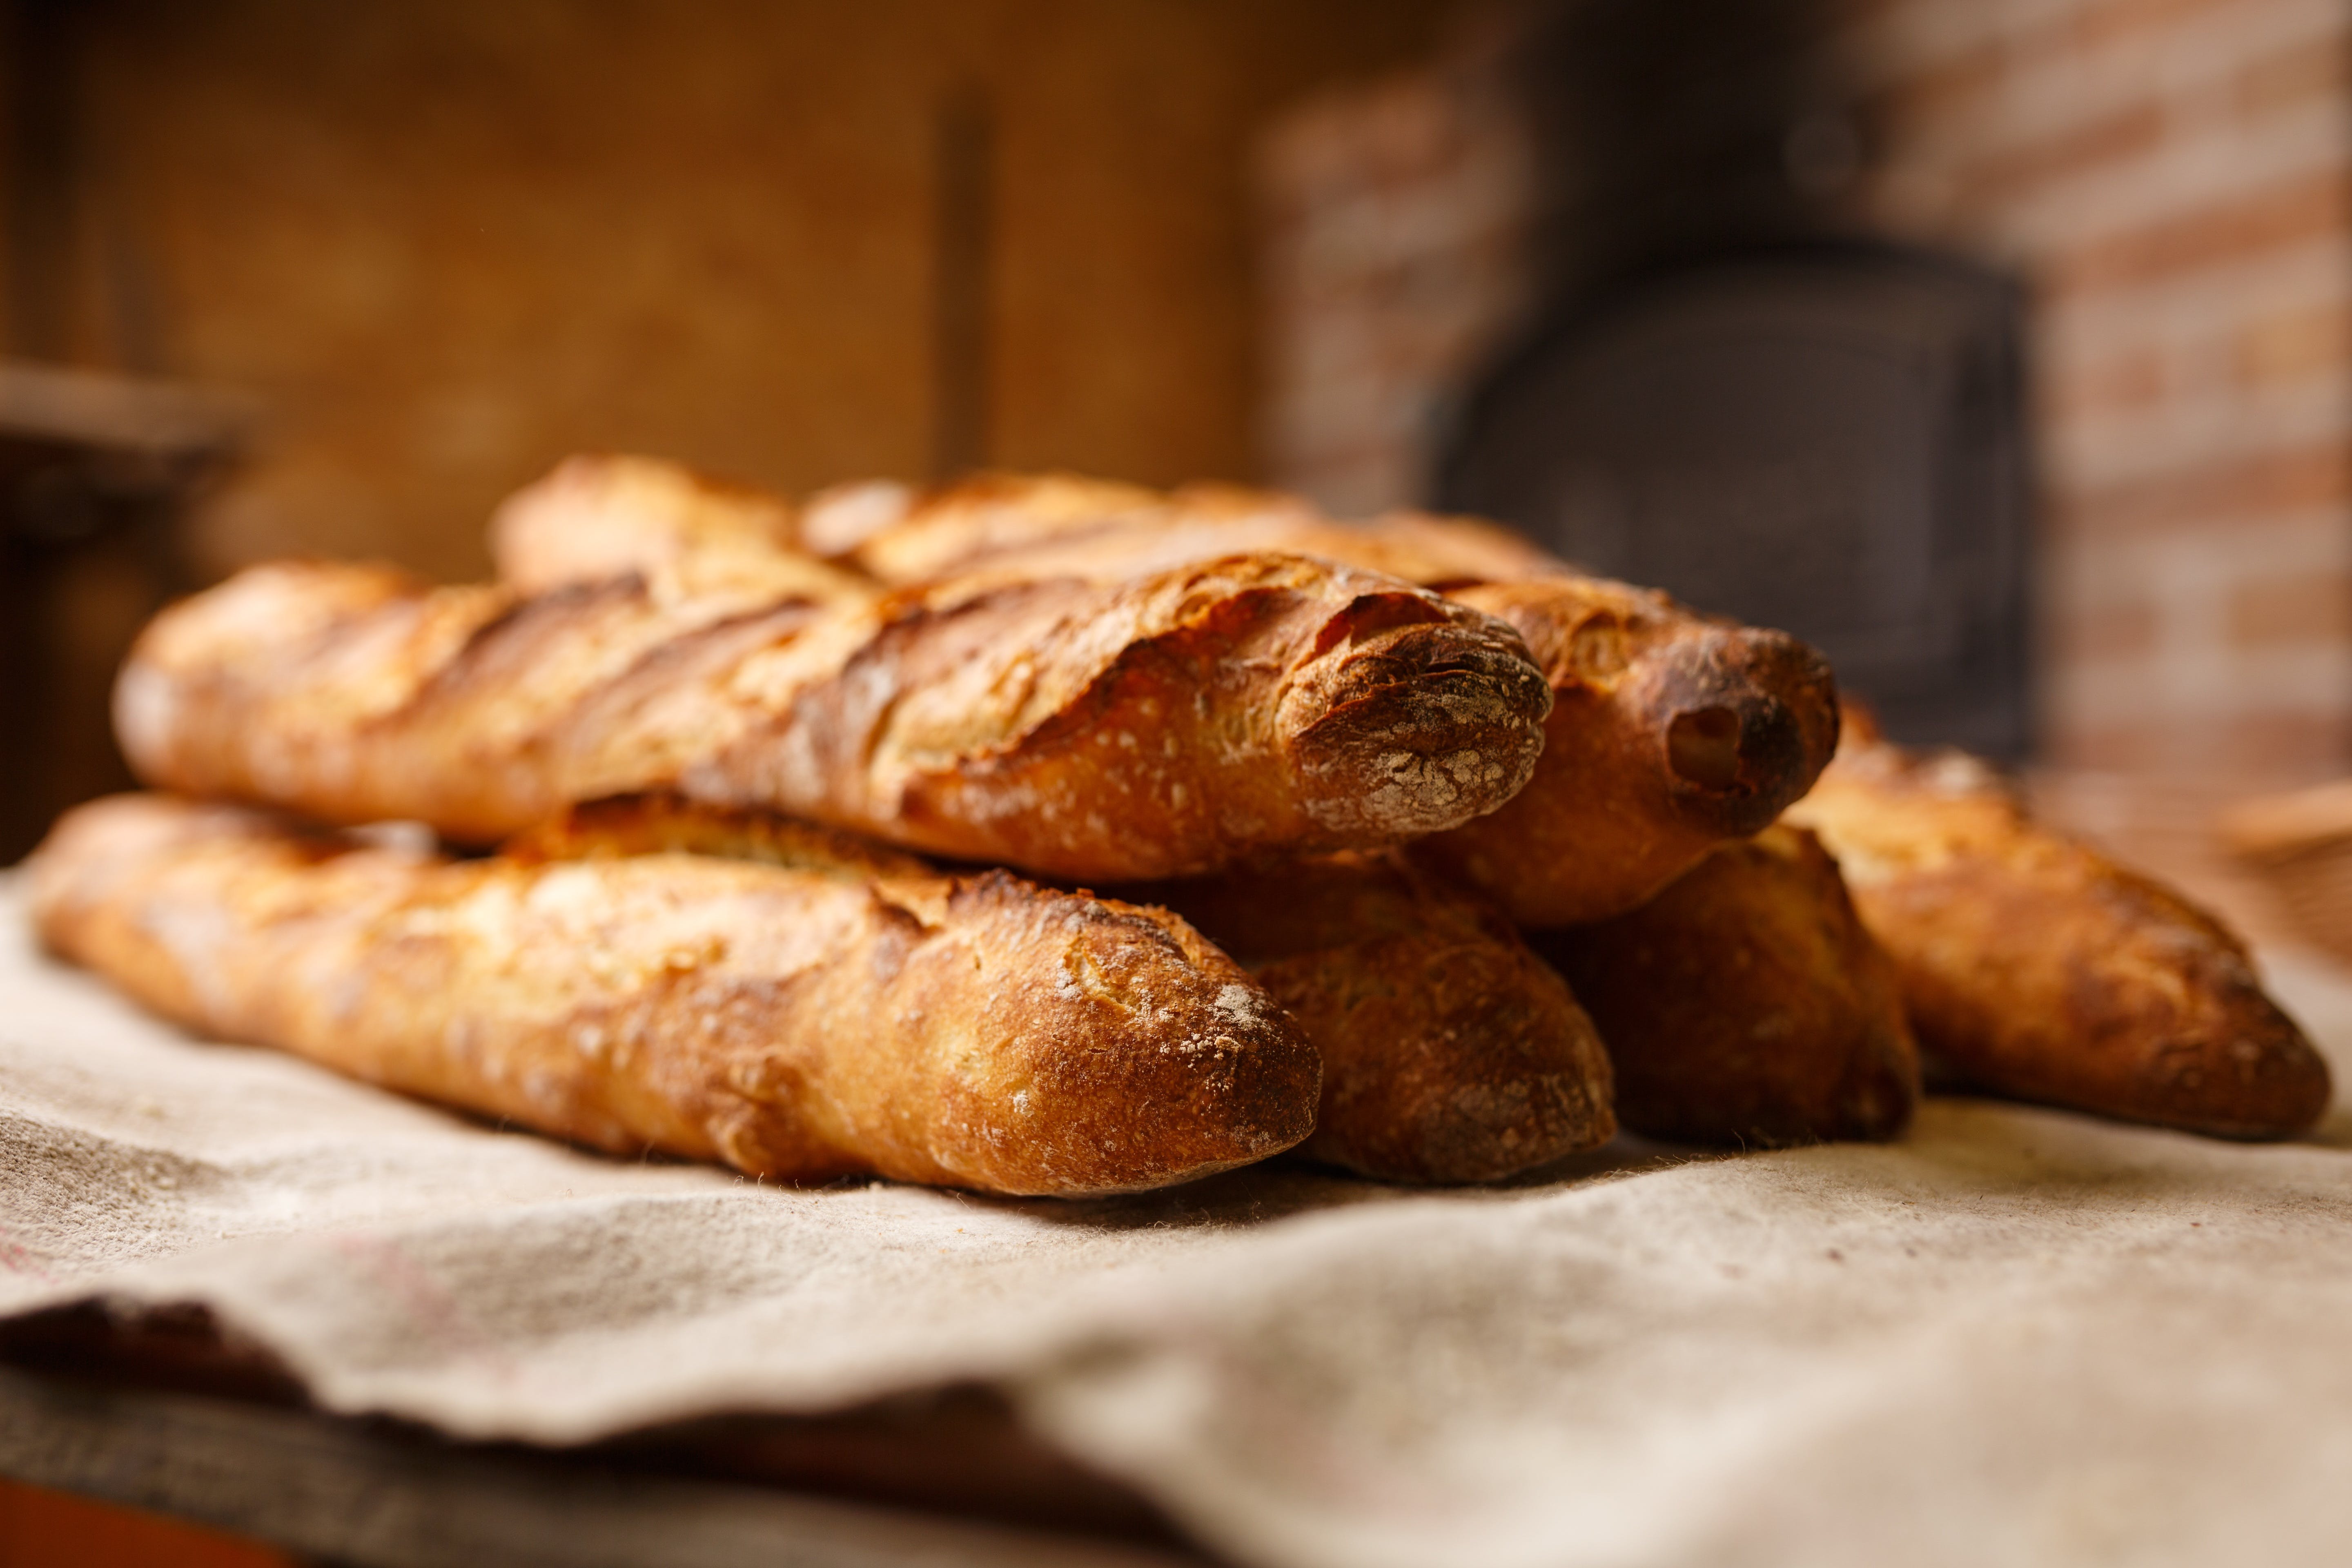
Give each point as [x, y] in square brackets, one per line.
[445, 243]
[2175, 181]
[2169, 182]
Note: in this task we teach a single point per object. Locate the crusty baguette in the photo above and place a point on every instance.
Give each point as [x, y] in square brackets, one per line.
[1066, 523]
[1746, 1004]
[947, 531]
[800, 1020]
[1451, 1053]
[693, 539]
[2034, 967]
[1670, 732]
[672, 824]
[1104, 729]
[599, 516]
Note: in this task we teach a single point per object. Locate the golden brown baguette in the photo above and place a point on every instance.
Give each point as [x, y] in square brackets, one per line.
[801, 1020]
[1450, 1052]
[599, 516]
[1109, 729]
[1670, 732]
[947, 531]
[1746, 1004]
[1063, 523]
[2033, 967]
[672, 824]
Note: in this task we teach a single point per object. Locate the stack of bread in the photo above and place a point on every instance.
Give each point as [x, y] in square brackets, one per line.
[1049, 836]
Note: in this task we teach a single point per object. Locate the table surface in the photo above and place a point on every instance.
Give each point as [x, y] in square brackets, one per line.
[363, 1493]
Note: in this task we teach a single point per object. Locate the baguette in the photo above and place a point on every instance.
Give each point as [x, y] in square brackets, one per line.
[822, 1015]
[1450, 1052]
[597, 516]
[950, 530]
[1746, 1004]
[894, 534]
[691, 539]
[1113, 729]
[1670, 732]
[2035, 968]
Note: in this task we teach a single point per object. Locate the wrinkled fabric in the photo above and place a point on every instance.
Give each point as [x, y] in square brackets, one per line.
[2018, 1336]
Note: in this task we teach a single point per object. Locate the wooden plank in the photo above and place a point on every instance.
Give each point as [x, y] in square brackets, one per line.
[375, 1497]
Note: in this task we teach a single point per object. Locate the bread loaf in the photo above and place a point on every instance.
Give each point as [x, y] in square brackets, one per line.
[949, 530]
[692, 539]
[821, 1015]
[1669, 733]
[2034, 967]
[1450, 1052]
[1101, 730]
[597, 516]
[1746, 1005]
[1061, 522]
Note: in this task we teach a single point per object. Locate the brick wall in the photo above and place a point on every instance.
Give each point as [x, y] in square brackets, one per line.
[2172, 177]
[1393, 217]
[2173, 180]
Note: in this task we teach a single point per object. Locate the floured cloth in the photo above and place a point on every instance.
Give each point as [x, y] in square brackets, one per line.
[2020, 1336]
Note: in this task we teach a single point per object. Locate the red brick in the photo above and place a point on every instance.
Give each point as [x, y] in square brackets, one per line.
[2110, 632]
[2242, 747]
[2210, 235]
[1907, 102]
[2216, 494]
[2294, 76]
[2293, 346]
[2097, 25]
[1961, 80]
[2078, 150]
[2118, 384]
[2283, 611]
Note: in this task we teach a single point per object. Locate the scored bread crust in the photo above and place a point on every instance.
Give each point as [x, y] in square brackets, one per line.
[726, 548]
[1669, 733]
[1746, 1004]
[1451, 1053]
[2033, 966]
[801, 1019]
[1103, 729]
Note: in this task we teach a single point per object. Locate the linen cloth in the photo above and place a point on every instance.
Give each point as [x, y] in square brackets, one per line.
[2018, 1336]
